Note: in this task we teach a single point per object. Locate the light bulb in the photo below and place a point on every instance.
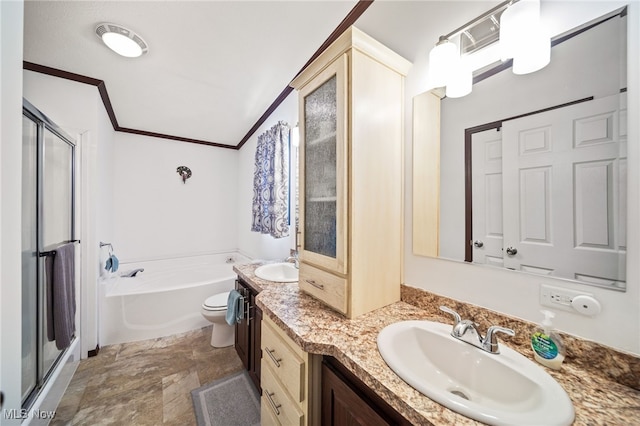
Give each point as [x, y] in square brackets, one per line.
[534, 54]
[122, 45]
[441, 60]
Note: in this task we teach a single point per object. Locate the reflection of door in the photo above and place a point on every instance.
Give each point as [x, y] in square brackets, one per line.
[562, 194]
[487, 197]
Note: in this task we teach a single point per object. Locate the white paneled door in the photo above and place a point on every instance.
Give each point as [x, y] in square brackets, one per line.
[487, 197]
[562, 192]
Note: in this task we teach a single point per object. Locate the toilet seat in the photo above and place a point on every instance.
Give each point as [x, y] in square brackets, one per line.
[217, 302]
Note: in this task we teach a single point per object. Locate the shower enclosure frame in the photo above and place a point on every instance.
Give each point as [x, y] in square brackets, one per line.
[42, 125]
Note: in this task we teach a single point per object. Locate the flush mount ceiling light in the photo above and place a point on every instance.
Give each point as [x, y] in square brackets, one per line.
[122, 40]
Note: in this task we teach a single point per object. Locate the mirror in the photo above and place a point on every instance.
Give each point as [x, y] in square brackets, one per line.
[477, 156]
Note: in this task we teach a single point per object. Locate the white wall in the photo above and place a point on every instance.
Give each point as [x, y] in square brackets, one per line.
[254, 244]
[505, 291]
[11, 17]
[156, 215]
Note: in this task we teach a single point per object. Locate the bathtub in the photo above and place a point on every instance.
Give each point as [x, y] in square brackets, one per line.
[163, 300]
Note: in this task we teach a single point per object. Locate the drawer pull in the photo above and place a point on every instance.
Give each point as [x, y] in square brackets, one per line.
[275, 360]
[272, 402]
[315, 284]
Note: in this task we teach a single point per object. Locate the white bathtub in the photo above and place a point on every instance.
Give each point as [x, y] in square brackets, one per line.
[165, 299]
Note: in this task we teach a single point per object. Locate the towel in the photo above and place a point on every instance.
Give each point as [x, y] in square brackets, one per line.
[112, 263]
[61, 295]
[235, 307]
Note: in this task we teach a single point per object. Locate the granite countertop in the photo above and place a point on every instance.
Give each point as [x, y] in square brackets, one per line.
[320, 330]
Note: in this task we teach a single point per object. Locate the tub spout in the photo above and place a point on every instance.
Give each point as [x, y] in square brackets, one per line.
[130, 274]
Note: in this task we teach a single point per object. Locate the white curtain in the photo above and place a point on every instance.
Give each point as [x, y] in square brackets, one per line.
[271, 182]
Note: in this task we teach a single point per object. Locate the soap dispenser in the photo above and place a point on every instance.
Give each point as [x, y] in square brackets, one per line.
[546, 343]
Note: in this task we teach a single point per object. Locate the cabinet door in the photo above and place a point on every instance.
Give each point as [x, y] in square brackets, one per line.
[255, 334]
[324, 169]
[342, 406]
[242, 329]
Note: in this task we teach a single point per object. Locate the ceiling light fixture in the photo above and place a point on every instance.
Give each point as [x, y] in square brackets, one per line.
[122, 40]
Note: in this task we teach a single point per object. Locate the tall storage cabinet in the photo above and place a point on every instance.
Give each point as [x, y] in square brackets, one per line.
[351, 174]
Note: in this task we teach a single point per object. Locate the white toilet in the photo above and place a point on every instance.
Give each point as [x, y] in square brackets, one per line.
[214, 309]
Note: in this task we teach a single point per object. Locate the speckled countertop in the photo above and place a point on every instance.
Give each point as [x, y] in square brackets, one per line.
[598, 395]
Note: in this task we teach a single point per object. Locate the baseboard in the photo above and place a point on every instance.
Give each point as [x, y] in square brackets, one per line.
[93, 352]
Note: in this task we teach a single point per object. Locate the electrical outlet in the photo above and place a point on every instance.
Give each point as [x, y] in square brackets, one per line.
[559, 298]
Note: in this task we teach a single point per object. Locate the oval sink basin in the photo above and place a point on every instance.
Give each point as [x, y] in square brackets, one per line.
[496, 389]
[279, 272]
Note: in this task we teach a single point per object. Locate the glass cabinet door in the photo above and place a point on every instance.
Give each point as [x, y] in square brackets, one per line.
[324, 176]
[320, 169]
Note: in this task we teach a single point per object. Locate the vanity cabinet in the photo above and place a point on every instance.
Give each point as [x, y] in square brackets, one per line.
[248, 332]
[290, 380]
[346, 401]
[351, 101]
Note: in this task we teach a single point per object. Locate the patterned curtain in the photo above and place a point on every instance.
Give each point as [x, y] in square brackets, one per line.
[271, 183]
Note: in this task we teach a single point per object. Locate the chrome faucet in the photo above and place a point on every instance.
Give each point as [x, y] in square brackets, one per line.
[294, 258]
[466, 331]
[133, 273]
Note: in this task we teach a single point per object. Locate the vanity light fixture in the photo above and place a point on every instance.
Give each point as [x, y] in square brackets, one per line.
[442, 58]
[523, 38]
[515, 23]
[122, 40]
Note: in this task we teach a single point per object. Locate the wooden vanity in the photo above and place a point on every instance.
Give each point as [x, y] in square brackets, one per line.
[303, 322]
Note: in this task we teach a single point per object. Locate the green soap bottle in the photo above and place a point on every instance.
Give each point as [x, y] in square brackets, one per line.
[547, 345]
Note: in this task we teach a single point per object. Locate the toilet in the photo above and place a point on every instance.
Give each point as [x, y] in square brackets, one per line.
[214, 309]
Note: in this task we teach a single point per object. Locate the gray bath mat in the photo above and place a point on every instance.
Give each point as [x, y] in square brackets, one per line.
[230, 401]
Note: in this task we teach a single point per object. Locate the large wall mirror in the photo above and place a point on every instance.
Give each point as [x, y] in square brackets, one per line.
[528, 172]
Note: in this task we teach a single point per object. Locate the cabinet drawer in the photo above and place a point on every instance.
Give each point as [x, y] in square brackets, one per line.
[325, 286]
[277, 402]
[285, 364]
[267, 416]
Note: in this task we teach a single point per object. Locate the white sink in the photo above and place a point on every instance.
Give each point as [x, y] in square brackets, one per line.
[497, 389]
[280, 272]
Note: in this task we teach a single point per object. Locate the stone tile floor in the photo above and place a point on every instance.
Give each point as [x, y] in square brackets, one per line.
[145, 383]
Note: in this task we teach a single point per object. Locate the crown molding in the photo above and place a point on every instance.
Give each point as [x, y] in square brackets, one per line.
[349, 20]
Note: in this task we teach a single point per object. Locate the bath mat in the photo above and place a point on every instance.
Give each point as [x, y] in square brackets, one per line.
[230, 401]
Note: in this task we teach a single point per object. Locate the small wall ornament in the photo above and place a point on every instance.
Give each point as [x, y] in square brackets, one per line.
[184, 172]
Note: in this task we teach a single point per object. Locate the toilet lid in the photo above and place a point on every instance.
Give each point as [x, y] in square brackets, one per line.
[217, 301]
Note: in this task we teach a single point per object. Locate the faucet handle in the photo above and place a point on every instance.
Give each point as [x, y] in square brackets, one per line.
[456, 316]
[490, 341]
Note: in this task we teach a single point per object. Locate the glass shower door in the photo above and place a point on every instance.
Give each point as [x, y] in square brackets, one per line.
[48, 158]
[29, 257]
[56, 220]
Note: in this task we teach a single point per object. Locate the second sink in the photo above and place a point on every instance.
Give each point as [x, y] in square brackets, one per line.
[279, 272]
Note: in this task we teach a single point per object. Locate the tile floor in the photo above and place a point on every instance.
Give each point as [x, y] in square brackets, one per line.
[144, 383]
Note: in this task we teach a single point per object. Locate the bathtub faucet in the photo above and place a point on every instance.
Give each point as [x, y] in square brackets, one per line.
[131, 274]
